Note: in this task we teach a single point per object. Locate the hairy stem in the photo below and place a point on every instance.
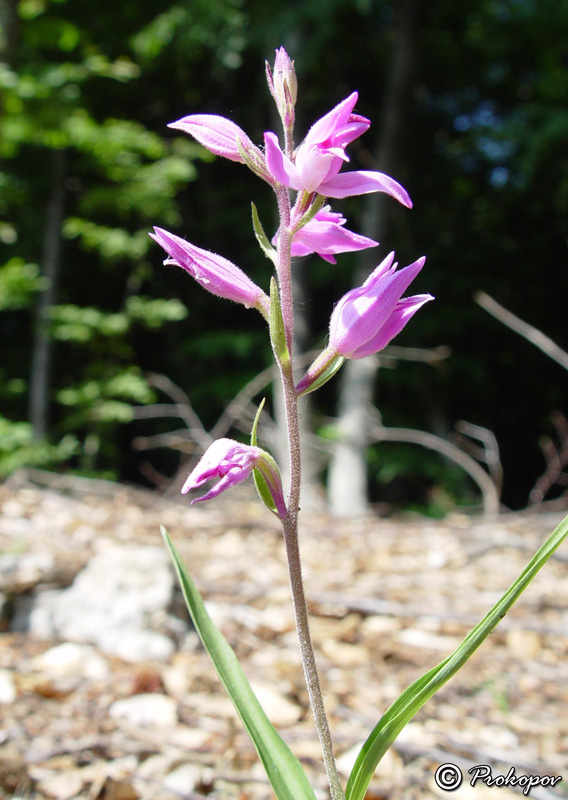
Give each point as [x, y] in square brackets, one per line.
[290, 523]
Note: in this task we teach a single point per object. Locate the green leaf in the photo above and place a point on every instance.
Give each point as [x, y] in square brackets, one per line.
[19, 281]
[414, 697]
[276, 325]
[261, 236]
[284, 771]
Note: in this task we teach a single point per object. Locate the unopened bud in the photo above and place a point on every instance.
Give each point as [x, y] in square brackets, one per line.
[284, 75]
[283, 85]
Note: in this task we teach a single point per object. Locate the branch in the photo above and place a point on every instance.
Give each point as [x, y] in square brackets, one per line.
[533, 335]
[488, 453]
[556, 460]
[488, 489]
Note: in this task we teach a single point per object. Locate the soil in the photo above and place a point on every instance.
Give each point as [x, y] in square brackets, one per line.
[389, 599]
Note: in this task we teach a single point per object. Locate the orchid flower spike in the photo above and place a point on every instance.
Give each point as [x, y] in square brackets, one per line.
[233, 463]
[325, 235]
[321, 155]
[216, 274]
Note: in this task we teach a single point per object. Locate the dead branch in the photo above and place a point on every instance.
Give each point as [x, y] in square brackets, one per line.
[488, 453]
[556, 457]
[431, 355]
[338, 604]
[176, 440]
[527, 331]
[489, 491]
[182, 406]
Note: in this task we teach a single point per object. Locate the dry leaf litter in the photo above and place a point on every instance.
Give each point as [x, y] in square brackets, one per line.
[106, 692]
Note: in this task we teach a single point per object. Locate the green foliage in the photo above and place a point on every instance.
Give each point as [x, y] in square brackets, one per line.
[82, 324]
[417, 479]
[18, 448]
[154, 312]
[19, 282]
[482, 152]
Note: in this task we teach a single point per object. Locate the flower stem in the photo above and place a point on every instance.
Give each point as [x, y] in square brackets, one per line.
[290, 523]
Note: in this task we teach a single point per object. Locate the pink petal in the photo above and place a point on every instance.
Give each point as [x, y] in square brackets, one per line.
[335, 118]
[279, 166]
[216, 274]
[362, 312]
[217, 134]
[403, 312]
[347, 184]
[331, 238]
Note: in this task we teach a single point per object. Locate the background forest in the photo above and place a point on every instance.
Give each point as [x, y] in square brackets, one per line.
[469, 108]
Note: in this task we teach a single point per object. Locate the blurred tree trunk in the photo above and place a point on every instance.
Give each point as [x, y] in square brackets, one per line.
[40, 377]
[8, 30]
[347, 480]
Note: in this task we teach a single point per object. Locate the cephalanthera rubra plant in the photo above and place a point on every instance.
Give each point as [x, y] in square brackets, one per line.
[362, 323]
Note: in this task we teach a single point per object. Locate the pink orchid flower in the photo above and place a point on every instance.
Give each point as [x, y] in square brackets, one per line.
[233, 463]
[325, 235]
[366, 319]
[321, 155]
[216, 274]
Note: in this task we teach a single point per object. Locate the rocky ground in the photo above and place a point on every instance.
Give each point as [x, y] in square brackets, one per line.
[105, 691]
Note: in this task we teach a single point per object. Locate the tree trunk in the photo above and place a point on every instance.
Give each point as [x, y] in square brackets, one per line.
[347, 479]
[40, 377]
[8, 30]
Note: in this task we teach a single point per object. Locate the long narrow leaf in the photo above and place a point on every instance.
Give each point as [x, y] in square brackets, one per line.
[284, 771]
[414, 697]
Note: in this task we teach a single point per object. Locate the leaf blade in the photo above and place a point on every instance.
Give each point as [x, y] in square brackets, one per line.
[284, 771]
[415, 696]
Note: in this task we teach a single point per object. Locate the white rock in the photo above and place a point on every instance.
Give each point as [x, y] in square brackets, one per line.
[62, 786]
[278, 709]
[416, 637]
[72, 659]
[120, 603]
[146, 710]
[183, 779]
[136, 645]
[7, 686]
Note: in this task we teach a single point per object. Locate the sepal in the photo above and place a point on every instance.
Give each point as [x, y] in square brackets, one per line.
[321, 371]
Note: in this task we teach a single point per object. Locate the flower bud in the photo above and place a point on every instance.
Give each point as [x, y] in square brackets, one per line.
[285, 75]
[216, 274]
[283, 85]
[231, 463]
